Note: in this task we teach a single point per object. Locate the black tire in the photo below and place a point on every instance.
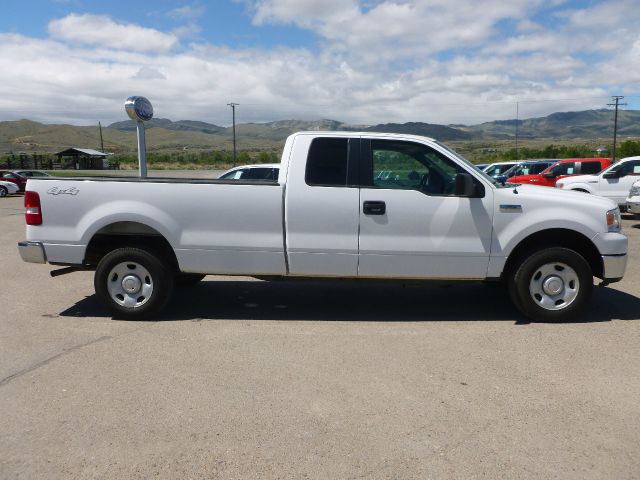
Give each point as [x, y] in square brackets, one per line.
[546, 266]
[154, 277]
[3, 191]
[184, 280]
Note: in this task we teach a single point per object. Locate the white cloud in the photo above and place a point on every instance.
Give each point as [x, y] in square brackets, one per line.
[102, 30]
[374, 64]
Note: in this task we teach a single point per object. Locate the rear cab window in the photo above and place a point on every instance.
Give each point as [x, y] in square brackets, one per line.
[327, 162]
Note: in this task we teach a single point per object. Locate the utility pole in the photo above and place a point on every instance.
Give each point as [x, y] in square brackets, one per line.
[101, 142]
[616, 99]
[517, 117]
[233, 109]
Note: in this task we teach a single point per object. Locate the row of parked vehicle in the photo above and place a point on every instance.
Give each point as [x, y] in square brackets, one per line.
[620, 181]
[14, 181]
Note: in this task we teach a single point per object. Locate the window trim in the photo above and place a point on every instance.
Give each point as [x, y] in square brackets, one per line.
[366, 168]
[353, 159]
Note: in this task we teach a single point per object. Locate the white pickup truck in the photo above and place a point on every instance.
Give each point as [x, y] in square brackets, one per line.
[613, 182]
[346, 205]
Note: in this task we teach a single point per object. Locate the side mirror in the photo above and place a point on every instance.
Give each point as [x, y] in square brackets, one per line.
[465, 186]
[611, 174]
[549, 175]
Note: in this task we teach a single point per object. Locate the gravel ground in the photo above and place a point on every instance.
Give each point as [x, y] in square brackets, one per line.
[247, 379]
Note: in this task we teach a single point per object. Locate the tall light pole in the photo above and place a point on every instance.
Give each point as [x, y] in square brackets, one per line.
[233, 110]
[616, 99]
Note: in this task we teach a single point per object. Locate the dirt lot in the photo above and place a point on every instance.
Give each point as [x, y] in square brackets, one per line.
[247, 379]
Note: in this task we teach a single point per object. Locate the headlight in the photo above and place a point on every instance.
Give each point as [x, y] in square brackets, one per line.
[613, 220]
[635, 191]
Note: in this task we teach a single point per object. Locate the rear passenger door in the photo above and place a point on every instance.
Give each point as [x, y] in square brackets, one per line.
[321, 206]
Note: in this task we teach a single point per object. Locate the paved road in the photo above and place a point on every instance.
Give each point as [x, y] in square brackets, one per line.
[245, 379]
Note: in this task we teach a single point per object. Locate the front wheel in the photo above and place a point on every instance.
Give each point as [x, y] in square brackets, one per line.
[3, 191]
[133, 283]
[552, 285]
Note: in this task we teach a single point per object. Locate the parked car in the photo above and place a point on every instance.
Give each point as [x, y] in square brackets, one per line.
[614, 182]
[526, 167]
[562, 169]
[31, 173]
[633, 200]
[330, 215]
[7, 188]
[265, 171]
[13, 177]
[498, 168]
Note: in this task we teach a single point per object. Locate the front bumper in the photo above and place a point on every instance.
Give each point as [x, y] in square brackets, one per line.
[32, 252]
[633, 205]
[614, 267]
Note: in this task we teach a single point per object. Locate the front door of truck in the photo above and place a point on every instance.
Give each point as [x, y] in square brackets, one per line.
[411, 223]
[617, 187]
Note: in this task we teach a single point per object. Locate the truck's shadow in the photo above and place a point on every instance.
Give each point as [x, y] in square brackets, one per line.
[357, 301]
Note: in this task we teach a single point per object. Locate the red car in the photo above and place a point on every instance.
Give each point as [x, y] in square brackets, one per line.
[13, 177]
[564, 168]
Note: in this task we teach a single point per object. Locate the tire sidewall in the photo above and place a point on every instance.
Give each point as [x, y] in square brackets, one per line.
[522, 278]
[160, 274]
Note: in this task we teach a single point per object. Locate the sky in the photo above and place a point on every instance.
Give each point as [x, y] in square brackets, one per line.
[356, 61]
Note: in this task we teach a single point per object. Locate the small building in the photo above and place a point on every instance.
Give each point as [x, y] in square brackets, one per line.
[83, 159]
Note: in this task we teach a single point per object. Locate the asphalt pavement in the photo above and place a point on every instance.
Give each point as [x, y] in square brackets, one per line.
[245, 379]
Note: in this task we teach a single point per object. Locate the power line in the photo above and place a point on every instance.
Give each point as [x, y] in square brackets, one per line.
[233, 106]
[617, 103]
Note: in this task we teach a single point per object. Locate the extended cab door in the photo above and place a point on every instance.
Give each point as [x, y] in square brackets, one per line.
[411, 223]
[321, 206]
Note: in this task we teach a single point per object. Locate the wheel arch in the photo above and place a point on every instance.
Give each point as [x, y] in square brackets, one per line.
[128, 234]
[555, 237]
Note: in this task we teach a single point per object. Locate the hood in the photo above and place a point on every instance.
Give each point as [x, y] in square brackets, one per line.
[580, 200]
[523, 178]
[579, 179]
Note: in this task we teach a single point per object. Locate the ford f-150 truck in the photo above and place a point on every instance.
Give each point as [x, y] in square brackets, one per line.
[346, 205]
[613, 182]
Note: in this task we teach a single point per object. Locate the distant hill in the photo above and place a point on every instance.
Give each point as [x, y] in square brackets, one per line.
[583, 124]
[180, 125]
[440, 132]
[166, 135]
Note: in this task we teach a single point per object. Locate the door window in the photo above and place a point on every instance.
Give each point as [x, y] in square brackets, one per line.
[590, 167]
[629, 168]
[564, 169]
[412, 166]
[327, 162]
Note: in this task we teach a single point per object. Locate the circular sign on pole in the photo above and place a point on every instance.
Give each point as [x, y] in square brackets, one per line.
[139, 109]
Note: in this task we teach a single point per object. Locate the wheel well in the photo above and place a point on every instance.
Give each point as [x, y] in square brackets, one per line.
[128, 234]
[579, 190]
[555, 237]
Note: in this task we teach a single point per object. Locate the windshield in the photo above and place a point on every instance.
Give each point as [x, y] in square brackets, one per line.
[464, 160]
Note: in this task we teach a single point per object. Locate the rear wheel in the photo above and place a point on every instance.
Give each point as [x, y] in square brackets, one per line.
[133, 283]
[552, 285]
[3, 191]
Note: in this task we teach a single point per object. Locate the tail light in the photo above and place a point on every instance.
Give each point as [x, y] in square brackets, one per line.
[33, 213]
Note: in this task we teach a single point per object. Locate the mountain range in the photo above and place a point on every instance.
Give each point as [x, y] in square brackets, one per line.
[167, 135]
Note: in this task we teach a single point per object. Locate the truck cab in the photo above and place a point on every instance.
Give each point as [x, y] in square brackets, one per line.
[562, 169]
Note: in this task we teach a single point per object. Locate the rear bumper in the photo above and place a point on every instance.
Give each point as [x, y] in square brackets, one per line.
[32, 252]
[614, 267]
